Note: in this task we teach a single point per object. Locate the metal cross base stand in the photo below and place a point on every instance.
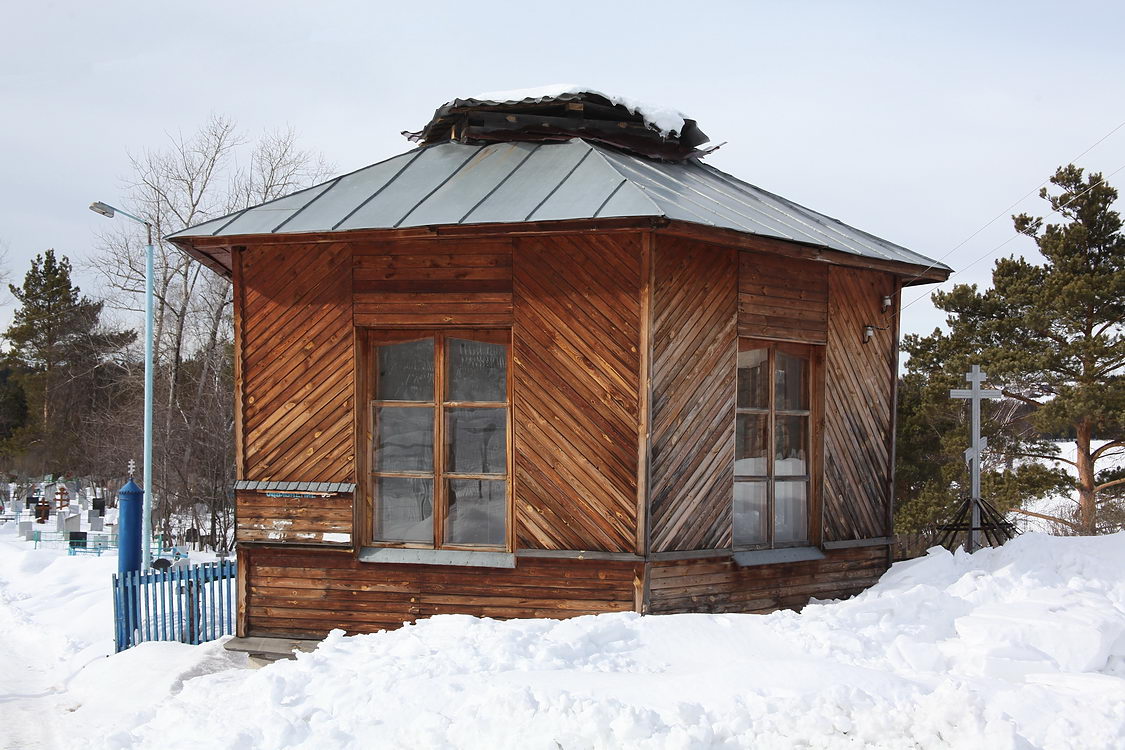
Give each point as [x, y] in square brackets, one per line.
[990, 522]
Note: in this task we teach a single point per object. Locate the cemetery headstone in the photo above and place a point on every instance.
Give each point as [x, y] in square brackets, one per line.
[99, 505]
[26, 529]
[77, 539]
[96, 523]
[71, 523]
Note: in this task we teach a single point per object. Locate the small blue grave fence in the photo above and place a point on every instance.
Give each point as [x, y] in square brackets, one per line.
[190, 605]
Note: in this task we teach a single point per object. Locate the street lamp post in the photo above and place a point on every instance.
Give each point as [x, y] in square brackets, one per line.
[146, 511]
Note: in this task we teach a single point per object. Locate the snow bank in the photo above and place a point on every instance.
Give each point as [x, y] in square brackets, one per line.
[1018, 647]
[666, 120]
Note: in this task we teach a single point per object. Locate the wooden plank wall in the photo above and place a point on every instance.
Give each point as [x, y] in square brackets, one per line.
[306, 520]
[433, 283]
[297, 363]
[693, 371]
[782, 298]
[575, 389]
[719, 585]
[305, 592]
[858, 405]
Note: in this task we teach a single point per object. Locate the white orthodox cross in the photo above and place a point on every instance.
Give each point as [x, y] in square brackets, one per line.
[973, 454]
[132, 467]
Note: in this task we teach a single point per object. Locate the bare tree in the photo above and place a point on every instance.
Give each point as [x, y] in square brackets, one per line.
[213, 172]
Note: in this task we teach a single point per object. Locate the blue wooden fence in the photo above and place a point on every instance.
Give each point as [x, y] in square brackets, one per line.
[189, 605]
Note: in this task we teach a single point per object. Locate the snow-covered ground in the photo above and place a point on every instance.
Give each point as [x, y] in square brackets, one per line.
[1019, 647]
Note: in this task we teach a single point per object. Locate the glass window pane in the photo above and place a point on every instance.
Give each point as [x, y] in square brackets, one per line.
[404, 509]
[753, 379]
[749, 513]
[750, 445]
[477, 371]
[405, 371]
[790, 512]
[476, 440]
[792, 382]
[403, 439]
[791, 457]
[477, 511]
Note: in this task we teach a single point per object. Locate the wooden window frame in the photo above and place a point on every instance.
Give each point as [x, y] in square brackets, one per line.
[814, 353]
[369, 339]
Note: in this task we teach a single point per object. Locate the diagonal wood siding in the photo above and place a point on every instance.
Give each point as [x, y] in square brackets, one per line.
[782, 298]
[433, 283]
[694, 359]
[575, 388]
[858, 406]
[296, 366]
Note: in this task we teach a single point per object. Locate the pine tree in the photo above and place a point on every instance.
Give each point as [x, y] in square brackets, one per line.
[59, 345]
[1052, 335]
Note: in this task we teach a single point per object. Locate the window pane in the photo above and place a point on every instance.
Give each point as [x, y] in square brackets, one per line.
[476, 440]
[477, 371]
[404, 509]
[403, 439]
[406, 371]
[749, 513]
[753, 379]
[790, 512]
[791, 457]
[477, 510]
[750, 445]
[792, 382]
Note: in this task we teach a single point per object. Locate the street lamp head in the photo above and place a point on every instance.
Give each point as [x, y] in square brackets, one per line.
[102, 208]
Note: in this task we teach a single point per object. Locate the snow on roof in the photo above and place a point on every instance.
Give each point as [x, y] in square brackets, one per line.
[667, 120]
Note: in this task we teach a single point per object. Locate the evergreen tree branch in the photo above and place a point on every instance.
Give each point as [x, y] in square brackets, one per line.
[1021, 454]
[1045, 517]
[1020, 397]
[1108, 446]
[1107, 485]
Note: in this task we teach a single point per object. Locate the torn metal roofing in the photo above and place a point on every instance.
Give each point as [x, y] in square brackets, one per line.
[454, 183]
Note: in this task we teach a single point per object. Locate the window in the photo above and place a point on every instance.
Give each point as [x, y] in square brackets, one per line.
[774, 438]
[439, 435]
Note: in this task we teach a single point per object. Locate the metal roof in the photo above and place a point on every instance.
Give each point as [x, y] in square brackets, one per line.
[454, 183]
[275, 486]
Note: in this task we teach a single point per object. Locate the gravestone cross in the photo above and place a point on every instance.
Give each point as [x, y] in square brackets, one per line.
[973, 454]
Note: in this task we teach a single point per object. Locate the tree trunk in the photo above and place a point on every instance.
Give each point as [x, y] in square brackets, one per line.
[1087, 505]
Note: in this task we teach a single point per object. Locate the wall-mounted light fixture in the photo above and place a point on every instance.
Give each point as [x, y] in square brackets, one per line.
[888, 300]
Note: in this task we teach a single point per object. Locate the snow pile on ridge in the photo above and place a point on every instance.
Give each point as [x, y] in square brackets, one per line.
[1012, 648]
[664, 119]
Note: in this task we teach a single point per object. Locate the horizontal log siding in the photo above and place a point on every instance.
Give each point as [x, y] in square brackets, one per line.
[782, 298]
[306, 593]
[297, 363]
[719, 585]
[693, 372]
[858, 404]
[433, 283]
[305, 520]
[576, 369]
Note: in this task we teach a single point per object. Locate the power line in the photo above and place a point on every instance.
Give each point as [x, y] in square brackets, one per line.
[1003, 213]
[1014, 236]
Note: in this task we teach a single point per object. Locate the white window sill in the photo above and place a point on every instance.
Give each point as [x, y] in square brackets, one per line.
[465, 558]
[749, 558]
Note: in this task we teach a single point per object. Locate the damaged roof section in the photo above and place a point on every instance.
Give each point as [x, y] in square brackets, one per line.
[555, 114]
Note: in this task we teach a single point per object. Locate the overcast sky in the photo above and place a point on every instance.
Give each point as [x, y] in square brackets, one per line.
[917, 122]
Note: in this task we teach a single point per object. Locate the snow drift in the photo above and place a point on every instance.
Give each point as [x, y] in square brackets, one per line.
[1017, 647]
